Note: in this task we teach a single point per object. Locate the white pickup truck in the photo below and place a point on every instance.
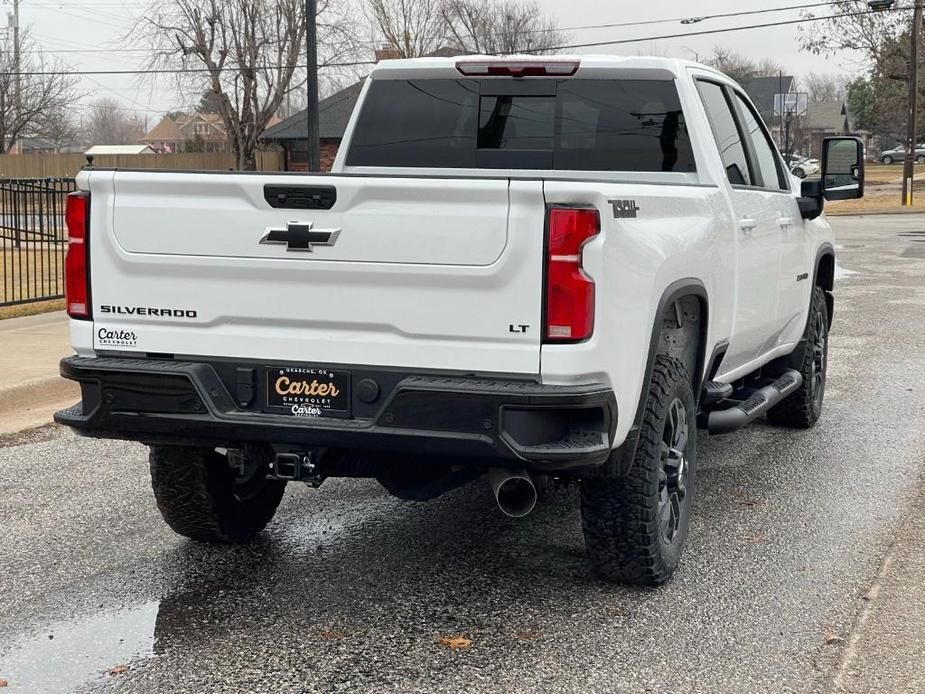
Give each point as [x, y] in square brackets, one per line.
[524, 268]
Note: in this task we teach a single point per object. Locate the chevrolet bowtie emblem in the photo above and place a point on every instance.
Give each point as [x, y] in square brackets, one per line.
[300, 236]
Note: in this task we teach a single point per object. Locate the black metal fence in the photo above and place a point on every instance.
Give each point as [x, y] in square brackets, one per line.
[33, 238]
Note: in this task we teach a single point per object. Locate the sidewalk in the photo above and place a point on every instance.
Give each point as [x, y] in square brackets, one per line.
[30, 387]
[885, 653]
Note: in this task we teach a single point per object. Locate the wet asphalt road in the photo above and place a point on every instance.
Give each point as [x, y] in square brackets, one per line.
[350, 590]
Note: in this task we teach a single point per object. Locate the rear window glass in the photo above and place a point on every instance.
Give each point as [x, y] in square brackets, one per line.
[588, 125]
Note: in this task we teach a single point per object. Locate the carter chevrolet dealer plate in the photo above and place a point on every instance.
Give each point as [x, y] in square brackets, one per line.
[308, 392]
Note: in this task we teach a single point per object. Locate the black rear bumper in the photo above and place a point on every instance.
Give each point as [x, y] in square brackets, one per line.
[202, 404]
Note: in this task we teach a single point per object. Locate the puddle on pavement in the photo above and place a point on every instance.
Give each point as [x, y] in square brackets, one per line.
[842, 272]
[64, 656]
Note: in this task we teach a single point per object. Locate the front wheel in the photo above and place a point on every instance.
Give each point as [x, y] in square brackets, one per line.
[887, 160]
[635, 526]
[799, 173]
[213, 497]
[802, 408]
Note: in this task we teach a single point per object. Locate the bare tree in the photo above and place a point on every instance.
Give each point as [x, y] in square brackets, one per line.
[60, 127]
[824, 87]
[501, 26]
[854, 27]
[44, 87]
[409, 28]
[879, 96]
[247, 52]
[740, 68]
[110, 123]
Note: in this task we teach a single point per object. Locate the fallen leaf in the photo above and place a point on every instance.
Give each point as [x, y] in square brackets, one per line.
[831, 636]
[330, 635]
[751, 503]
[737, 492]
[119, 670]
[455, 643]
[755, 539]
[529, 635]
[4, 683]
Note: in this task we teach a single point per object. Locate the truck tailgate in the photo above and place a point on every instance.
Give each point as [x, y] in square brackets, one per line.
[405, 272]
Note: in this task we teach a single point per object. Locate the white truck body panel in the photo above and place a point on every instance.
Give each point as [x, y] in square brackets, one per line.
[432, 286]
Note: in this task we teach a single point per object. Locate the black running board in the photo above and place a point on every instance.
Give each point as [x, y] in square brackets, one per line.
[760, 401]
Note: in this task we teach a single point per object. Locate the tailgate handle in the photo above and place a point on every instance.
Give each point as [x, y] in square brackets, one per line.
[300, 197]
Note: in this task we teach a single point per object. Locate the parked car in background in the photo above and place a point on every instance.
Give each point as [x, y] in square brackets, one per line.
[800, 166]
[805, 168]
[896, 154]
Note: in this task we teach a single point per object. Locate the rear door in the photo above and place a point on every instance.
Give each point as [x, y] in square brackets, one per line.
[793, 239]
[424, 273]
[757, 231]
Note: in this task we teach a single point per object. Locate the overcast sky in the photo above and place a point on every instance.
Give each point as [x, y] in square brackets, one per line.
[69, 29]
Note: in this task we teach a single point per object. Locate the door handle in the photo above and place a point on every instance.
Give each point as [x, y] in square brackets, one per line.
[747, 224]
[785, 222]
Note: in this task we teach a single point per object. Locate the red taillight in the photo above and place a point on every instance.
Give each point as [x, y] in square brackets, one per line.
[569, 291]
[518, 68]
[76, 280]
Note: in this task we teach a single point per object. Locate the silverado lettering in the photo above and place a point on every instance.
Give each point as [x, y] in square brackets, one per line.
[145, 311]
[384, 356]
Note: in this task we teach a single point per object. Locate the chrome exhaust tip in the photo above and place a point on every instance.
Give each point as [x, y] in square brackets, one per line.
[514, 491]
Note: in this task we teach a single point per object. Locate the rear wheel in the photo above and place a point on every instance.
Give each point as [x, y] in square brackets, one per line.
[801, 409]
[920, 159]
[207, 496]
[635, 526]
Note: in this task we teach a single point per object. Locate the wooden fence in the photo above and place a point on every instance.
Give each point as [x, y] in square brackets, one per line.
[65, 165]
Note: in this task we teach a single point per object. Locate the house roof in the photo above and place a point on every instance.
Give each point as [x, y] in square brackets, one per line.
[333, 116]
[165, 131]
[829, 116]
[119, 149]
[761, 90]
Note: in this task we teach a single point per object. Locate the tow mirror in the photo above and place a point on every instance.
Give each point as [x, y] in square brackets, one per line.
[842, 168]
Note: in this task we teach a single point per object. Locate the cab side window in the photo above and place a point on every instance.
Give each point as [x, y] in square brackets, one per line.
[762, 147]
[726, 132]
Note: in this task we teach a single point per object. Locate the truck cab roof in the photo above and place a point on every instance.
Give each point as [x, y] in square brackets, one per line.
[589, 66]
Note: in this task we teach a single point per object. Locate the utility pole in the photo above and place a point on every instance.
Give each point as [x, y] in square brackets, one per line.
[17, 66]
[780, 90]
[311, 112]
[909, 163]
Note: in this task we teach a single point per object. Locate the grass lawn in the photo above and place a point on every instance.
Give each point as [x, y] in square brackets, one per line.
[21, 310]
[883, 192]
[31, 273]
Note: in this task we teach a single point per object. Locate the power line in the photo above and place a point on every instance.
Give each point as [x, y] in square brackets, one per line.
[595, 44]
[172, 71]
[766, 25]
[695, 19]
[584, 27]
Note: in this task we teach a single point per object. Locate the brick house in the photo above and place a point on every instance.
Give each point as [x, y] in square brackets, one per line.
[334, 114]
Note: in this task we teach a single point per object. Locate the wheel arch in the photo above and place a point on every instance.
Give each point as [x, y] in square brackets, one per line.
[824, 276]
[689, 289]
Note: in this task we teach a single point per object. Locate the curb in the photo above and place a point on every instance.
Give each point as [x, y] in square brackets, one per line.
[34, 403]
[36, 393]
[875, 214]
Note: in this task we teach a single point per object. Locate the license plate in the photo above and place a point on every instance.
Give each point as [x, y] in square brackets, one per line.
[308, 392]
